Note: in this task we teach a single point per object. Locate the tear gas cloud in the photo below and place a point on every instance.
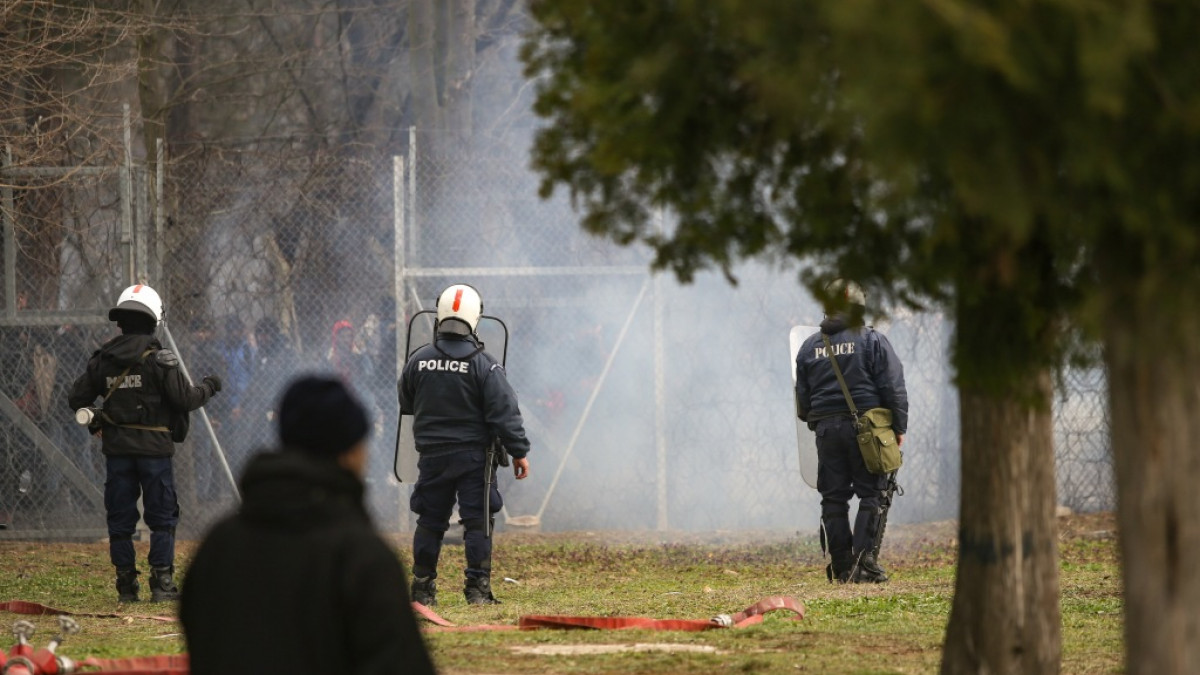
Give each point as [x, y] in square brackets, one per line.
[656, 405]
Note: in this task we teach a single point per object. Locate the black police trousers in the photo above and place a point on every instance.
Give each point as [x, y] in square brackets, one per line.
[152, 479]
[443, 480]
[842, 474]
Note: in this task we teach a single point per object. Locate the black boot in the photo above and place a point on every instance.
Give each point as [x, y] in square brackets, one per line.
[868, 570]
[479, 591]
[424, 591]
[162, 585]
[127, 585]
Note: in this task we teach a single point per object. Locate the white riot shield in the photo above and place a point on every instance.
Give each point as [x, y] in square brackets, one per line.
[406, 451]
[806, 441]
[494, 335]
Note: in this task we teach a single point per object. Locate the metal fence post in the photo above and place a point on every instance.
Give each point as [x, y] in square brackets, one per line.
[398, 260]
[127, 200]
[10, 237]
[411, 221]
[660, 403]
[160, 246]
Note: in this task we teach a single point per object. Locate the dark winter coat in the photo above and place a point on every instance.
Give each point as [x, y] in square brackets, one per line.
[460, 398]
[298, 581]
[153, 390]
[873, 374]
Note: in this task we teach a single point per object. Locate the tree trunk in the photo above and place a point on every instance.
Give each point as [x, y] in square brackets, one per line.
[426, 105]
[154, 89]
[1005, 616]
[460, 64]
[39, 215]
[1154, 396]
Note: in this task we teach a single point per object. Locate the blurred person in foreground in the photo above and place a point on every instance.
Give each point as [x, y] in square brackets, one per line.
[298, 580]
[144, 400]
[461, 402]
[874, 378]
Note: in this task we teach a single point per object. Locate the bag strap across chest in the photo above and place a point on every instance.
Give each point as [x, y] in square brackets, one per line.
[116, 385]
[124, 373]
[837, 370]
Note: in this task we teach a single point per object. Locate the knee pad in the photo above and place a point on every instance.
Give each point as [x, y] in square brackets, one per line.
[163, 530]
[835, 533]
[476, 524]
[120, 537]
[426, 532]
[834, 521]
[835, 509]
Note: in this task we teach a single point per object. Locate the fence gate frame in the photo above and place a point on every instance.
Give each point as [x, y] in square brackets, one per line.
[134, 258]
[406, 228]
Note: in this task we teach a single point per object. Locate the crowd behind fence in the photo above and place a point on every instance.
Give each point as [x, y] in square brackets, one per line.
[650, 405]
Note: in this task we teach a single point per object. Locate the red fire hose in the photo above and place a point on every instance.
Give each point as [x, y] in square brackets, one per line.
[23, 660]
[747, 617]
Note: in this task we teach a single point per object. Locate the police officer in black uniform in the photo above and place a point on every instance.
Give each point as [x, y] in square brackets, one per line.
[460, 400]
[875, 378]
[142, 394]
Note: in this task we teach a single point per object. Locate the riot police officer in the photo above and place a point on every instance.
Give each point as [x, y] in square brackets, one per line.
[144, 396]
[874, 377]
[460, 400]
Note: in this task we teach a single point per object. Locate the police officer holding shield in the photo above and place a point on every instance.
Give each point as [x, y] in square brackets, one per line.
[874, 377]
[461, 402]
[142, 393]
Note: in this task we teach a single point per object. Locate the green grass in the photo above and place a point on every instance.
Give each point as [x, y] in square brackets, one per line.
[894, 628]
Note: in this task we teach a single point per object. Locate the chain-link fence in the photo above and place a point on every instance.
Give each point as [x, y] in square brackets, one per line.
[65, 245]
[1082, 442]
[284, 264]
[650, 405]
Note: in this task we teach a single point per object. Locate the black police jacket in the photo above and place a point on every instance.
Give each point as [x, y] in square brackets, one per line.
[460, 398]
[139, 411]
[298, 581]
[873, 374]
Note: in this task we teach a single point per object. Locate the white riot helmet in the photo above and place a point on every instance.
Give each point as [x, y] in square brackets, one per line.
[139, 298]
[847, 291]
[458, 309]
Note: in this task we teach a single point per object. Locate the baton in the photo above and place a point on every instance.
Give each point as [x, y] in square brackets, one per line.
[489, 475]
[496, 456]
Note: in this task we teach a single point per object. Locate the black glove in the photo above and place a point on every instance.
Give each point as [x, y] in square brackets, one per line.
[213, 382]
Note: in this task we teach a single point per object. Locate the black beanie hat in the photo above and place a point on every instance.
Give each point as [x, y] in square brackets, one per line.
[320, 416]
